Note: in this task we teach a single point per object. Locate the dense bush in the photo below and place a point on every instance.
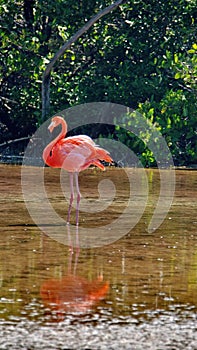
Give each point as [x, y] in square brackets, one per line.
[142, 55]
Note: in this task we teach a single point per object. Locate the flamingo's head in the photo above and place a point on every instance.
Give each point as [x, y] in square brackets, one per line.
[55, 122]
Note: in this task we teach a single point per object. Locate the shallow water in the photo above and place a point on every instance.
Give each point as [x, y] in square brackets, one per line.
[127, 292]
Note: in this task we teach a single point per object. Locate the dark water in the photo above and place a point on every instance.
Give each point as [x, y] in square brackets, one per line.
[56, 293]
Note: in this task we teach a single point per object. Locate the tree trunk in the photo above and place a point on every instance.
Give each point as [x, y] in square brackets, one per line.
[47, 72]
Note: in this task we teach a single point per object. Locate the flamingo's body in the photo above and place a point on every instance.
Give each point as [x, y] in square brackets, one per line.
[74, 154]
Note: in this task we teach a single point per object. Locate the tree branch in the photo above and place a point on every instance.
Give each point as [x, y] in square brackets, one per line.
[9, 142]
[77, 35]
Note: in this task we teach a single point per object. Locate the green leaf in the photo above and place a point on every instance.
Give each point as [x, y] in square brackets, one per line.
[177, 75]
[176, 58]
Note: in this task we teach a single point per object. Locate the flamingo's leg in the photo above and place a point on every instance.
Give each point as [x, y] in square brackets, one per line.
[71, 197]
[78, 197]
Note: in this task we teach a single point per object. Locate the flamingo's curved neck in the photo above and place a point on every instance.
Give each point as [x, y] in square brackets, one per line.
[62, 133]
[48, 148]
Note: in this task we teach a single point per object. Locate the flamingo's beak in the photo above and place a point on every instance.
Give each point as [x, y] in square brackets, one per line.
[51, 126]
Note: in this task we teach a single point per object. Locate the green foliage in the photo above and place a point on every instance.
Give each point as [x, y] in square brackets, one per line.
[142, 55]
[175, 117]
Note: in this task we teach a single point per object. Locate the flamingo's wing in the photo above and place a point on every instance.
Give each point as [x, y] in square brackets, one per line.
[79, 140]
[76, 153]
[73, 153]
[81, 144]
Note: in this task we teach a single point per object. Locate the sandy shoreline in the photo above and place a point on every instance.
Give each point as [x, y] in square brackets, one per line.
[164, 333]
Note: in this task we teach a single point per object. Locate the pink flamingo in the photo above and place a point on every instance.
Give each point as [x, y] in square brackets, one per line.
[74, 154]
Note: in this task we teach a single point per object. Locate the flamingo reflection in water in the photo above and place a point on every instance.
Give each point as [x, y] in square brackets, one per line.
[72, 293]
